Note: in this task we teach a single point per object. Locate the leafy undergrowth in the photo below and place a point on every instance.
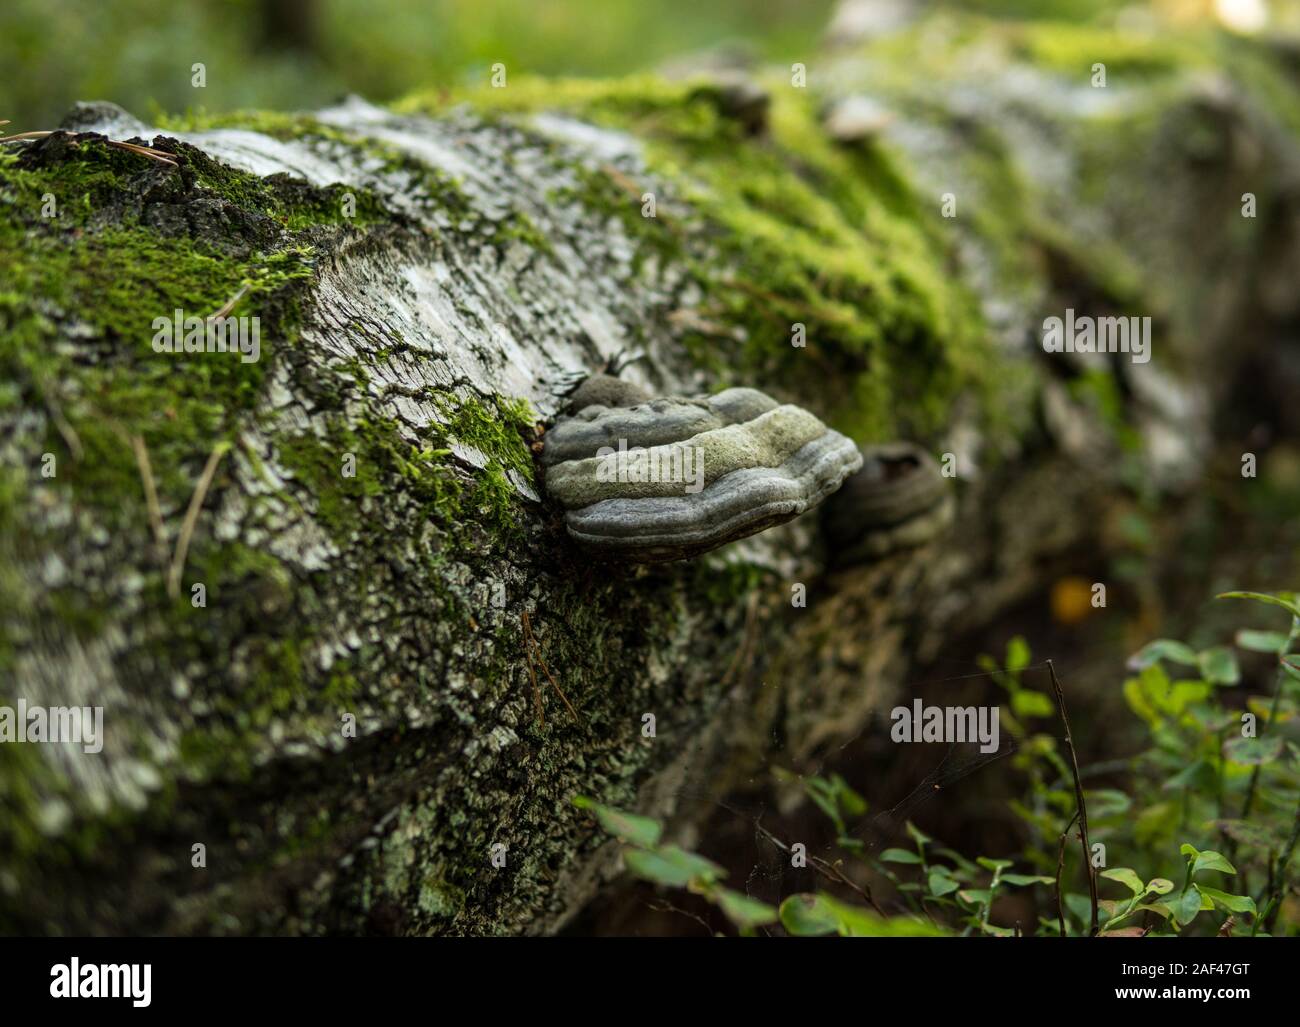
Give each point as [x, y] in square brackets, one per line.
[1199, 841]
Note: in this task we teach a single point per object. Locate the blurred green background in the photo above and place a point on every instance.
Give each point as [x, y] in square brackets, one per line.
[299, 53]
[290, 54]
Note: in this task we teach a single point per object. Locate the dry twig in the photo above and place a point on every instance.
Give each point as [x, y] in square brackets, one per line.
[150, 494]
[533, 651]
[161, 156]
[230, 304]
[191, 518]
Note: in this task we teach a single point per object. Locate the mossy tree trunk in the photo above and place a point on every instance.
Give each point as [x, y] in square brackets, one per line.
[360, 504]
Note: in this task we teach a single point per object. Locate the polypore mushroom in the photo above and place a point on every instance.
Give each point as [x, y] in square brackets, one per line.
[739, 98]
[672, 478]
[856, 118]
[898, 500]
[605, 390]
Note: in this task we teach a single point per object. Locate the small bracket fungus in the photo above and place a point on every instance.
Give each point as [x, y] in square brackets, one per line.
[855, 119]
[898, 500]
[605, 388]
[739, 98]
[672, 478]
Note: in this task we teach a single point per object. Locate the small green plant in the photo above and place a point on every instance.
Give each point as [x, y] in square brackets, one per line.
[1218, 783]
[674, 867]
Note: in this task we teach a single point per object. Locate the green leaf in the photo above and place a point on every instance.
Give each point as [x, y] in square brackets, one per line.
[851, 802]
[1262, 707]
[672, 866]
[1232, 903]
[993, 864]
[1105, 802]
[1028, 703]
[627, 827]
[941, 884]
[1020, 880]
[743, 911]
[1197, 770]
[964, 866]
[1159, 886]
[1286, 600]
[1252, 752]
[1162, 649]
[1211, 860]
[1017, 654]
[1186, 906]
[1218, 665]
[899, 856]
[1183, 694]
[1126, 877]
[822, 793]
[1079, 905]
[1262, 641]
[834, 796]
[1159, 908]
[857, 922]
[919, 836]
[806, 915]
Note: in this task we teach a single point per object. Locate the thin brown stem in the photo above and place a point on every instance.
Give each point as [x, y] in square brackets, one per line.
[1060, 870]
[532, 674]
[1279, 877]
[1078, 796]
[828, 870]
[1249, 804]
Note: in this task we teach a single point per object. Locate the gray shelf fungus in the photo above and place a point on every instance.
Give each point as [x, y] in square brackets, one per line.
[671, 478]
[898, 500]
[606, 390]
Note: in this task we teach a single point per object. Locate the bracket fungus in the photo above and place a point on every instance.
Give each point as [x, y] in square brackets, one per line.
[898, 500]
[670, 478]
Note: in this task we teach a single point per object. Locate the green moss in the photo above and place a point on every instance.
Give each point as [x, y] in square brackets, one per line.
[283, 125]
[808, 233]
[723, 584]
[81, 186]
[496, 428]
[1073, 50]
[436, 189]
[378, 460]
[297, 208]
